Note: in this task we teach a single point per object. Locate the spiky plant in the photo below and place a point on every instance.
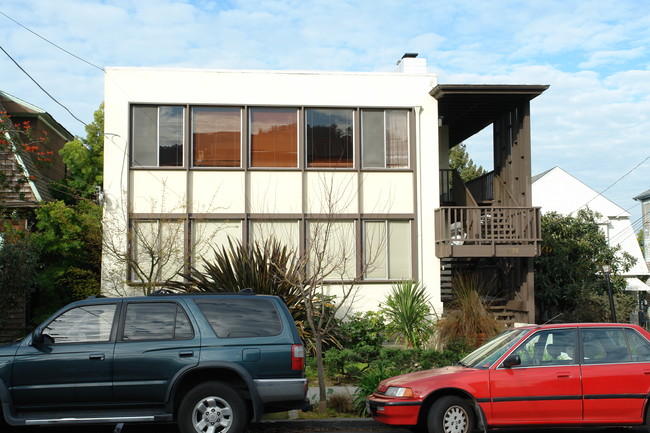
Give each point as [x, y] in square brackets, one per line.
[468, 316]
[269, 268]
[408, 309]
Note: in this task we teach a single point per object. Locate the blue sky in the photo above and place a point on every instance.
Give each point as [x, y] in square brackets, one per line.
[595, 54]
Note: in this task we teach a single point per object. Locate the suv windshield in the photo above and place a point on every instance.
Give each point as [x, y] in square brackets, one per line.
[490, 352]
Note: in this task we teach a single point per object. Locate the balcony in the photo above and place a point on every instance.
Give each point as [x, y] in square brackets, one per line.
[463, 231]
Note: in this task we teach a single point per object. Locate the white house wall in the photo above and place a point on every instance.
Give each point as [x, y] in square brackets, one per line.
[230, 192]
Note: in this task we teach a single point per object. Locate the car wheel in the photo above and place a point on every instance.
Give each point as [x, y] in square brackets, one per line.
[212, 407]
[450, 414]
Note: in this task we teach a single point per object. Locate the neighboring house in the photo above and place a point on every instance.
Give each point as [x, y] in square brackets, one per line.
[556, 190]
[644, 198]
[22, 162]
[195, 156]
[15, 161]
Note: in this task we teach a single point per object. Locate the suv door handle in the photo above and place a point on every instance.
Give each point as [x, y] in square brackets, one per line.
[96, 357]
[186, 353]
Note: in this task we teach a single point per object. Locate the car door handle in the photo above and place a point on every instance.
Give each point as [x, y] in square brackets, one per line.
[96, 357]
[563, 374]
[186, 353]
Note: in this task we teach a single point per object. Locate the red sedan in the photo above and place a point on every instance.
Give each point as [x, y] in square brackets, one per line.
[553, 375]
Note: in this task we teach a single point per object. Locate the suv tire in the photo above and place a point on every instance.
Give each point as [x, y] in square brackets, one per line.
[212, 407]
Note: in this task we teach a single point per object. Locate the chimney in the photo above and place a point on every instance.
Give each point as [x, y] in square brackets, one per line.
[410, 64]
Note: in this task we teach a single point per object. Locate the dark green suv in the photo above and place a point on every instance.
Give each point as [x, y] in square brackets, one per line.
[211, 362]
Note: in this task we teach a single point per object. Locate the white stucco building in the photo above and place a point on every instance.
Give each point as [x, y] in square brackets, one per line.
[555, 190]
[195, 156]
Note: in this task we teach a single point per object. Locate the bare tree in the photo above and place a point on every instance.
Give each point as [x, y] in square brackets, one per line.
[148, 252]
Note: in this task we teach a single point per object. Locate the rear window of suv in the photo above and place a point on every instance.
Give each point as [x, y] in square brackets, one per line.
[237, 318]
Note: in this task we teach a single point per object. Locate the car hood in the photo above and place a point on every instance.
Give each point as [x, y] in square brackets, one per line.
[426, 381]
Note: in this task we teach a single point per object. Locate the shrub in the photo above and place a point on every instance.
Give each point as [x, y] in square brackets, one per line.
[468, 316]
[341, 403]
[408, 310]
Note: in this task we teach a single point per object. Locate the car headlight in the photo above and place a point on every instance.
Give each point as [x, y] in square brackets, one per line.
[396, 391]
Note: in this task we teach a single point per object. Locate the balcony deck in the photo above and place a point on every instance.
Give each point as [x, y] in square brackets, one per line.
[487, 231]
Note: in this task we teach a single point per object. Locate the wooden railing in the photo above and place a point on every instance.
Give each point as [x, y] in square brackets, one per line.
[487, 231]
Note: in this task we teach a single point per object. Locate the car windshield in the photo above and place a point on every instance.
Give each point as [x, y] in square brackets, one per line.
[490, 352]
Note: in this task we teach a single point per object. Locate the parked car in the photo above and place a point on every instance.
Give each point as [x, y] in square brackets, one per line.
[210, 362]
[550, 375]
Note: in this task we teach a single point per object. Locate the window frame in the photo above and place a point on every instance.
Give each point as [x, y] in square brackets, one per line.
[387, 276]
[242, 131]
[156, 140]
[385, 132]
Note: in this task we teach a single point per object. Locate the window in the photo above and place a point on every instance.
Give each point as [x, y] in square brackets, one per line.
[285, 232]
[387, 250]
[157, 136]
[274, 137]
[332, 249]
[329, 138]
[211, 235]
[88, 323]
[157, 249]
[604, 346]
[639, 346]
[156, 321]
[216, 137]
[385, 138]
[240, 318]
[552, 347]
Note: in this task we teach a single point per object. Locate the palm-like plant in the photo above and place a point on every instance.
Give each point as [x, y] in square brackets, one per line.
[408, 310]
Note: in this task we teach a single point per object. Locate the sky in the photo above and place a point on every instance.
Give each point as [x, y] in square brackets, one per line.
[593, 121]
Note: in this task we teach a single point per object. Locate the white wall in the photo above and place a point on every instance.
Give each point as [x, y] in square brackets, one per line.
[285, 192]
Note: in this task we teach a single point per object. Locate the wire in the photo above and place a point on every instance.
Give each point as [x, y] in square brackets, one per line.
[52, 43]
[41, 87]
[617, 181]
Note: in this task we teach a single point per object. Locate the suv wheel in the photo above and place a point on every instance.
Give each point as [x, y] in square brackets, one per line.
[212, 407]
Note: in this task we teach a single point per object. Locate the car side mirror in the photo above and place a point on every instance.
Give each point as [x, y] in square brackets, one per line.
[40, 339]
[511, 361]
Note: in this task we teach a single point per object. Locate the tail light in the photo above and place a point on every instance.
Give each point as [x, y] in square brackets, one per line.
[297, 357]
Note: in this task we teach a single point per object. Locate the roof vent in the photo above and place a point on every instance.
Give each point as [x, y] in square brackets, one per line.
[411, 64]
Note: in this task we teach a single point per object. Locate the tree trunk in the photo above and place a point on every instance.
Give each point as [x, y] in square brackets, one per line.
[320, 366]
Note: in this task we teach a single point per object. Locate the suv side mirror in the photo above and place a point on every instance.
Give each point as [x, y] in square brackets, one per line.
[511, 361]
[40, 339]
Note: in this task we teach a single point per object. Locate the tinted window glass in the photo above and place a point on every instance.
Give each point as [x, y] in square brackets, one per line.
[604, 345]
[232, 318]
[156, 321]
[90, 323]
[329, 138]
[639, 346]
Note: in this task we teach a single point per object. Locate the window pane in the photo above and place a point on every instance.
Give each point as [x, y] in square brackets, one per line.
[375, 250]
[158, 250]
[332, 247]
[639, 346]
[145, 136]
[397, 141]
[329, 138]
[91, 323]
[216, 136]
[604, 345]
[274, 137]
[285, 232]
[183, 329]
[399, 250]
[372, 128]
[211, 235]
[151, 321]
[240, 318]
[170, 140]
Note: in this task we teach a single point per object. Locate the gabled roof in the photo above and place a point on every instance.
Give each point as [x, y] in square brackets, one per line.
[16, 107]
